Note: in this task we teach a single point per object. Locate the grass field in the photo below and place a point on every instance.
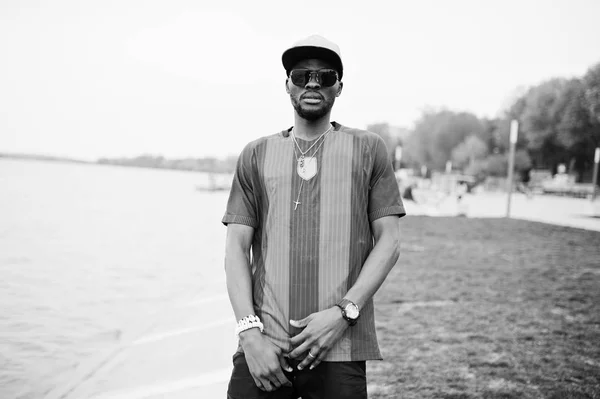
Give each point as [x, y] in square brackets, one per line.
[490, 308]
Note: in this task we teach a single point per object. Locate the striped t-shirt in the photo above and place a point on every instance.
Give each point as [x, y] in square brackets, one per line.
[306, 256]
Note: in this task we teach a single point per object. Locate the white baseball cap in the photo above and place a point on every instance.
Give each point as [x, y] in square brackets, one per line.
[314, 46]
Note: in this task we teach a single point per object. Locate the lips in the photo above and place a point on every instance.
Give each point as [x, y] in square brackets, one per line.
[312, 98]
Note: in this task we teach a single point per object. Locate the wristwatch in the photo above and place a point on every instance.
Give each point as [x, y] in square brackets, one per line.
[350, 311]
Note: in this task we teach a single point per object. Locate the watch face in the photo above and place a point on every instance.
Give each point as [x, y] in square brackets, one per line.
[351, 311]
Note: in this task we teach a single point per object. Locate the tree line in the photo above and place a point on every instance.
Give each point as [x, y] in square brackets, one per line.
[207, 164]
[559, 123]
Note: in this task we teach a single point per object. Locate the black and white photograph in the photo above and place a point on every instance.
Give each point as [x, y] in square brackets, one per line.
[299, 200]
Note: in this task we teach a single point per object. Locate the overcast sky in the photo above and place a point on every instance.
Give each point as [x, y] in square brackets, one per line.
[181, 78]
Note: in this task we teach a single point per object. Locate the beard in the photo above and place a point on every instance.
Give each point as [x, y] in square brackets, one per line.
[312, 113]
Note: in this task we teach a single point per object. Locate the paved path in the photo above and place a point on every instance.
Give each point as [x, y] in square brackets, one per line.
[186, 351]
[564, 211]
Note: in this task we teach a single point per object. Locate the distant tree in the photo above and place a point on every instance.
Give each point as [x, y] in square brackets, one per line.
[208, 164]
[488, 135]
[436, 134]
[592, 97]
[500, 132]
[577, 130]
[149, 161]
[591, 82]
[560, 122]
[471, 149]
[539, 112]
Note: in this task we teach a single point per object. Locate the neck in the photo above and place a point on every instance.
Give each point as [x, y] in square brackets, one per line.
[310, 130]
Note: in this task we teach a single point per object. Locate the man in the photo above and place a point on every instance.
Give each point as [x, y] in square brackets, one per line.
[312, 232]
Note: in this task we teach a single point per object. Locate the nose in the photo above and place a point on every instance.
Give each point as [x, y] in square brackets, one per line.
[313, 81]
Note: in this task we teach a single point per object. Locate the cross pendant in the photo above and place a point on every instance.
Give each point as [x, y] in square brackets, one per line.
[297, 203]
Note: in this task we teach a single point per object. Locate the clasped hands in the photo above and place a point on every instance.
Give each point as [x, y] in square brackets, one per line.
[321, 330]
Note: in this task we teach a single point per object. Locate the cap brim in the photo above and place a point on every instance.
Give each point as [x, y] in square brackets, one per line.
[296, 54]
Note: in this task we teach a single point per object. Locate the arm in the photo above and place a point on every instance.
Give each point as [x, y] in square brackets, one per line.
[264, 359]
[323, 329]
[380, 261]
[237, 269]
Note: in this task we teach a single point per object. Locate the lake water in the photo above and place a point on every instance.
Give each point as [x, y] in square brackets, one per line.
[89, 252]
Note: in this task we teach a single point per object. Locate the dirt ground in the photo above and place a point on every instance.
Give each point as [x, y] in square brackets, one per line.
[490, 308]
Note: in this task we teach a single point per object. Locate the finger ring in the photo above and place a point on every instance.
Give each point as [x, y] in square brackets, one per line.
[311, 355]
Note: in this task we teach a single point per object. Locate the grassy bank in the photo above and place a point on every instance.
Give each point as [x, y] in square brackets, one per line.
[490, 308]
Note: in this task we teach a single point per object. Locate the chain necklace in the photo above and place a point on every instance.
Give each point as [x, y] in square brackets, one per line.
[301, 160]
[303, 164]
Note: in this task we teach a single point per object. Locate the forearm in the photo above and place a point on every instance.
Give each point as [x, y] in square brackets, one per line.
[379, 263]
[239, 282]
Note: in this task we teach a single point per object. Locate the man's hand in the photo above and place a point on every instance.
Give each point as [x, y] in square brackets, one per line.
[265, 361]
[321, 331]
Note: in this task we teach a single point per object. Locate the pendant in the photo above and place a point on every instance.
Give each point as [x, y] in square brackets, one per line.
[307, 167]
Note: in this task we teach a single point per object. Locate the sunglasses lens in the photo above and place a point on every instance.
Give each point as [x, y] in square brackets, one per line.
[300, 77]
[328, 78]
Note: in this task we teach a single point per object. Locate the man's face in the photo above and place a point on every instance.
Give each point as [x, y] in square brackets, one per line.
[312, 101]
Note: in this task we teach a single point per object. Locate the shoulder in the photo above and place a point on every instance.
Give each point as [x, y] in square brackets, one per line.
[255, 145]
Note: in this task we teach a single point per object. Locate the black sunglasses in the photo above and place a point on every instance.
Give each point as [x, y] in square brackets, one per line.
[324, 77]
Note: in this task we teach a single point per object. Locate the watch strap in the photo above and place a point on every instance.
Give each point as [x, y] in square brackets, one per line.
[345, 302]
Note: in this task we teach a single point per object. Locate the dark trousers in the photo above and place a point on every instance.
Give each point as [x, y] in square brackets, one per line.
[329, 380]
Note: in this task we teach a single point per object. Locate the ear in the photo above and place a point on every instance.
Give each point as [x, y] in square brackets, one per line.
[287, 88]
[339, 90]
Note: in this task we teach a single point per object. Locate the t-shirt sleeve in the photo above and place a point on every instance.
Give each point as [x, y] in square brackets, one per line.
[384, 194]
[241, 206]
